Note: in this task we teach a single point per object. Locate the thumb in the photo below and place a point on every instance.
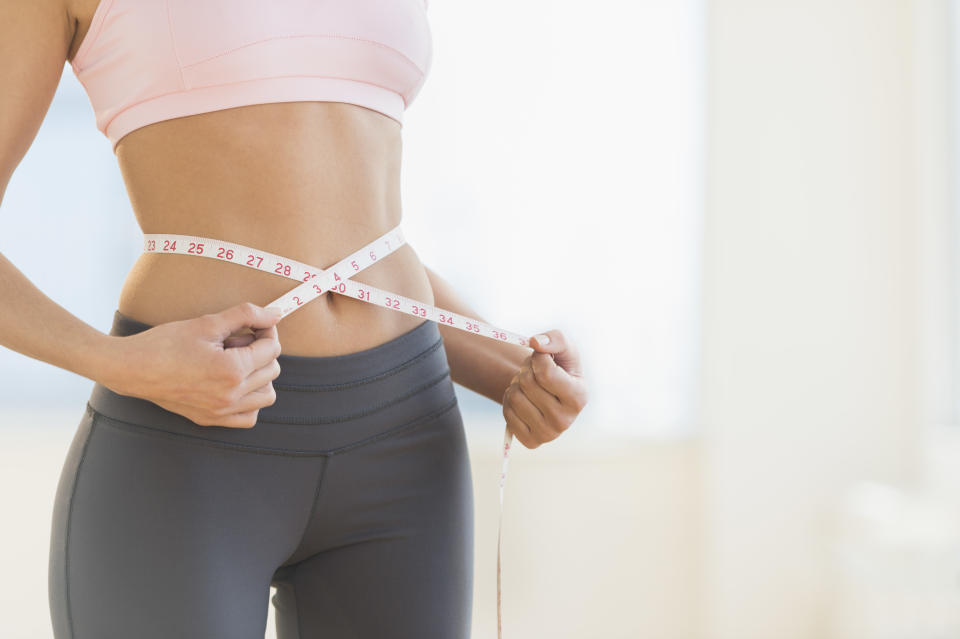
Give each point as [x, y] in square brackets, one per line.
[246, 315]
[564, 353]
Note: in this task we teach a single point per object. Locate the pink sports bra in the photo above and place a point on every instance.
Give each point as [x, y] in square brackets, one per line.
[143, 61]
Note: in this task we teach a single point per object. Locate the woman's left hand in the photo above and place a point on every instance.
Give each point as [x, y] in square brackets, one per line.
[547, 393]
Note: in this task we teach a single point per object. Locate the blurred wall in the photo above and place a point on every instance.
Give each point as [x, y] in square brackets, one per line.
[812, 277]
[601, 539]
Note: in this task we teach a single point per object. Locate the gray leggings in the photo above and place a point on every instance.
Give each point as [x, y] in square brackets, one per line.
[352, 495]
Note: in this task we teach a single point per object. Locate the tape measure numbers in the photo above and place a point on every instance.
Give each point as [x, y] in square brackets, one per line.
[315, 281]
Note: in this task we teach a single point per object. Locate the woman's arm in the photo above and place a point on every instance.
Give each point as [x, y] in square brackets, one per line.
[482, 365]
[541, 391]
[182, 366]
[34, 39]
[36, 326]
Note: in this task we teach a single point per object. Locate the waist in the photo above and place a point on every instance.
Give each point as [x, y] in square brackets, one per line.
[323, 405]
[168, 287]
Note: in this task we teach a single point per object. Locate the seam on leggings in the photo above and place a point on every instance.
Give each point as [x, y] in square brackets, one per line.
[323, 388]
[296, 609]
[313, 509]
[373, 409]
[284, 452]
[66, 542]
[385, 434]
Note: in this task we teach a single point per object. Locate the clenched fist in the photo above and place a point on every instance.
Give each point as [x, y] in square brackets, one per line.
[547, 393]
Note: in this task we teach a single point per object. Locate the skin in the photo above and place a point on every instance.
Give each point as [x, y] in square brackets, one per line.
[307, 180]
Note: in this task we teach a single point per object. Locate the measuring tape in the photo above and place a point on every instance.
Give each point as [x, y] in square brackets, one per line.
[314, 282]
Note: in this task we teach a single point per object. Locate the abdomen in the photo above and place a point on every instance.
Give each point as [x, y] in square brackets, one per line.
[309, 181]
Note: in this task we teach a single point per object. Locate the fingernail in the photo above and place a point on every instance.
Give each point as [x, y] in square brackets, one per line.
[542, 339]
[277, 312]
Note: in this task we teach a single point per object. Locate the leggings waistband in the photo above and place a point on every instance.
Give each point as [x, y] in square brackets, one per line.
[323, 405]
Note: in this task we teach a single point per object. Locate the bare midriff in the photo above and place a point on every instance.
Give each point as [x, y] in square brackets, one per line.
[312, 181]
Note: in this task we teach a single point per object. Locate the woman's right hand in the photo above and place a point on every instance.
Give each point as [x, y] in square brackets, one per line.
[204, 368]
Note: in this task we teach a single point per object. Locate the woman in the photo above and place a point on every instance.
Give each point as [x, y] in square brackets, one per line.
[211, 463]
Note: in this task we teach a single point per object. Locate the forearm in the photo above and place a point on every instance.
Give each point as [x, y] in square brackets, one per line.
[483, 365]
[34, 325]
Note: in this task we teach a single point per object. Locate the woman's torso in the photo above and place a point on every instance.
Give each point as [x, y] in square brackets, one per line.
[312, 181]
